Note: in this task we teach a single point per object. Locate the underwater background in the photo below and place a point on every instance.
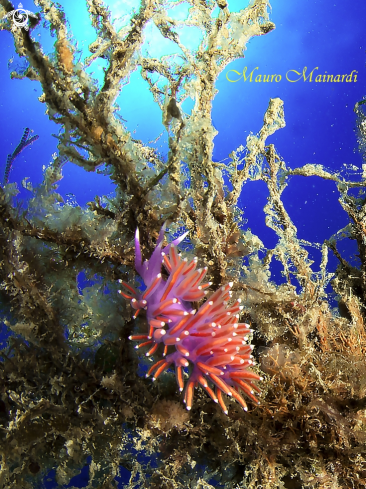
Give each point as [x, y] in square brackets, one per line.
[326, 37]
[320, 122]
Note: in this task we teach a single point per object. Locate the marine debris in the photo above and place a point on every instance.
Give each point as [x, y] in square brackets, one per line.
[73, 390]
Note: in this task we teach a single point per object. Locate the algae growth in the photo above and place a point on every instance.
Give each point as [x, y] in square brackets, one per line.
[71, 382]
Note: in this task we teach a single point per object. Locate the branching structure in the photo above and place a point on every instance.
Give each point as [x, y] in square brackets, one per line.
[24, 142]
[71, 384]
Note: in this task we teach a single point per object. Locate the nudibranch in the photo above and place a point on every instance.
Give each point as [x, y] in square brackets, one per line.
[210, 340]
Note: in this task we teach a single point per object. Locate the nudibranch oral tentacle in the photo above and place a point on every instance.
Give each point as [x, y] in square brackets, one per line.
[210, 339]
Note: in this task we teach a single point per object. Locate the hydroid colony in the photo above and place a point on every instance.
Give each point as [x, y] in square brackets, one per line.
[72, 389]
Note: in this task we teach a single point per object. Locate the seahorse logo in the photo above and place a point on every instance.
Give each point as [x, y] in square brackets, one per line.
[20, 17]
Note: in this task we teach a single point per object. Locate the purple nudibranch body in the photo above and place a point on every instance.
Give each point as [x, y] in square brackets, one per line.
[210, 339]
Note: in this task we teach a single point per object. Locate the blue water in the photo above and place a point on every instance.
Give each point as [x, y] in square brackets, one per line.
[320, 122]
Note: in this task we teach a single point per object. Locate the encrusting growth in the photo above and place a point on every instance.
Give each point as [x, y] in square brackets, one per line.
[70, 392]
[211, 338]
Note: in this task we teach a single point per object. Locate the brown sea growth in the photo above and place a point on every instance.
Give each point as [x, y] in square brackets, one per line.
[64, 398]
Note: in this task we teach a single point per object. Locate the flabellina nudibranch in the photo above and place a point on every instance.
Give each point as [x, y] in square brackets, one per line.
[211, 338]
